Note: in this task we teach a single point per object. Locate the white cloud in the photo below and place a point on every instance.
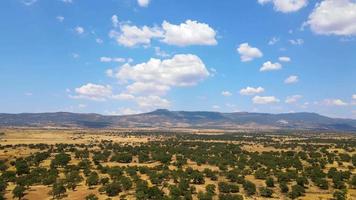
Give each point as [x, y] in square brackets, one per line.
[248, 52]
[148, 88]
[60, 18]
[269, 66]
[296, 42]
[93, 92]
[143, 3]
[115, 20]
[251, 90]
[284, 59]
[265, 100]
[75, 55]
[79, 30]
[291, 79]
[354, 96]
[28, 94]
[161, 53]
[334, 17]
[334, 102]
[188, 33]
[273, 41]
[147, 82]
[132, 35]
[181, 70]
[123, 96]
[293, 99]
[67, 1]
[216, 107]
[185, 34]
[286, 6]
[29, 2]
[99, 41]
[151, 102]
[226, 93]
[109, 59]
[82, 105]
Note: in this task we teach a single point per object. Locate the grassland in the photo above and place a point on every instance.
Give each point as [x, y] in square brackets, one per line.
[186, 164]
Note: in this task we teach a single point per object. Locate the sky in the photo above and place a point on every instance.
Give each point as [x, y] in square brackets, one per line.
[119, 57]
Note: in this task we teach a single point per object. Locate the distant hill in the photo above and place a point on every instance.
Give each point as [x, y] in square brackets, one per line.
[181, 119]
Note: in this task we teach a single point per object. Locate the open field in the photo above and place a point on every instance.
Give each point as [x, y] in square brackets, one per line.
[152, 164]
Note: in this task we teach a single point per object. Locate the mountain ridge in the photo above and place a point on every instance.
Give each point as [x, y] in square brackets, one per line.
[163, 118]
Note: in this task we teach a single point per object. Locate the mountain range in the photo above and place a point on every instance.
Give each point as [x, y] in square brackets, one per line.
[163, 118]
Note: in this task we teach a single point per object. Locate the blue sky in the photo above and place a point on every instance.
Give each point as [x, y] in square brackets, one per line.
[130, 56]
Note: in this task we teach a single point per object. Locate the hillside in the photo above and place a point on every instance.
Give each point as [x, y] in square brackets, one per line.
[184, 119]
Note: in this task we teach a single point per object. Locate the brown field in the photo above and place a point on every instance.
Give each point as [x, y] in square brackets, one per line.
[13, 137]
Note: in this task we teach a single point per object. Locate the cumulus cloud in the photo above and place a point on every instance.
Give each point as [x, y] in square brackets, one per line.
[284, 59]
[185, 34]
[181, 70]
[110, 59]
[93, 92]
[265, 100]
[269, 66]
[334, 17]
[79, 30]
[29, 2]
[248, 52]
[226, 93]
[296, 42]
[147, 82]
[354, 96]
[99, 40]
[150, 102]
[60, 18]
[115, 21]
[291, 79]
[188, 33]
[273, 41]
[148, 88]
[286, 6]
[293, 99]
[130, 36]
[251, 90]
[334, 102]
[143, 3]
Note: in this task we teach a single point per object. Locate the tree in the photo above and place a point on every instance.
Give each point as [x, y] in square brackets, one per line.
[230, 197]
[296, 192]
[205, 196]
[266, 192]
[210, 188]
[73, 178]
[284, 187]
[61, 159]
[22, 167]
[19, 192]
[340, 195]
[249, 187]
[91, 197]
[353, 181]
[270, 182]
[126, 183]
[3, 185]
[93, 179]
[113, 189]
[58, 189]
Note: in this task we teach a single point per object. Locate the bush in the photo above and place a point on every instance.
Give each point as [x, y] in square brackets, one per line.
[230, 197]
[270, 182]
[266, 192]
[250, 188]
[91, 197]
